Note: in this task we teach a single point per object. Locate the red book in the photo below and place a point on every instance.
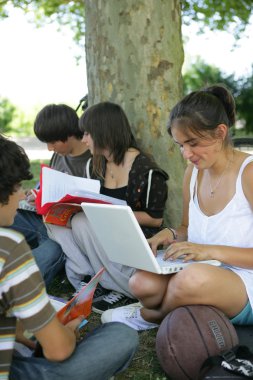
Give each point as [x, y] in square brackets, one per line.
[61, 195]
[80, 305]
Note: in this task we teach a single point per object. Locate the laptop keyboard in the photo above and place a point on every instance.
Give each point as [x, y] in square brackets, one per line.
[165, 263]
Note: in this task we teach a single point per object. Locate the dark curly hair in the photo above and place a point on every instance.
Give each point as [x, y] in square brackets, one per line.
[14, 168]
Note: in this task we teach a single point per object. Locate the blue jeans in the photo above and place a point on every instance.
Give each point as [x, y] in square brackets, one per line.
[47, 253]
[108, 350]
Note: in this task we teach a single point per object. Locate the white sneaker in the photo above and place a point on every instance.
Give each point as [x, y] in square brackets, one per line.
[129, 315]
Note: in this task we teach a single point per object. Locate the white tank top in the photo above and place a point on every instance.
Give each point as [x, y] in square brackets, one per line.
[232, 226]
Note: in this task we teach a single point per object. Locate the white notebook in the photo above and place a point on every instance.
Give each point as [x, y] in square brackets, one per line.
[122, 238]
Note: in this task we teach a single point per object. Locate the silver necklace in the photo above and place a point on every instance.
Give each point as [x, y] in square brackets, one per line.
[213, 189]
[110, 170]
[111, 173]
[127, 167]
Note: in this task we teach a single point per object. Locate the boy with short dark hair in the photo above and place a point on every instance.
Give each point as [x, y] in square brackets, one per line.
[57, 126]
[24, 304]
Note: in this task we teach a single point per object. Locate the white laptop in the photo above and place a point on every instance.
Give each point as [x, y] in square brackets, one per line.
[122, 238]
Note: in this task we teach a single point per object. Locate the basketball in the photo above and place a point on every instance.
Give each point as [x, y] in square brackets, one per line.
[188, 336]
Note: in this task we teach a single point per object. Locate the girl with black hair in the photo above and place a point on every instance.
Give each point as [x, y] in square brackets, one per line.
[125, 172]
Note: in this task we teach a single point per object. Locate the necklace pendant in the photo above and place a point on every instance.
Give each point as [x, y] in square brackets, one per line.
[212, 194]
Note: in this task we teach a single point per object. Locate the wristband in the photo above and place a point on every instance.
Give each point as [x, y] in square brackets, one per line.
[174, 233]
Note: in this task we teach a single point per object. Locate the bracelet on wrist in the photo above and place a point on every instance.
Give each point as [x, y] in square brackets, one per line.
[174, 232]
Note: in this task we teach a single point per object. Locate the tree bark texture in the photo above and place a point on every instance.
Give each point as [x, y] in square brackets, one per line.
[134, 57]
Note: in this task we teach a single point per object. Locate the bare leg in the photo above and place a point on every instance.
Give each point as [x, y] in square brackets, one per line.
[200, 284]
[149, 288]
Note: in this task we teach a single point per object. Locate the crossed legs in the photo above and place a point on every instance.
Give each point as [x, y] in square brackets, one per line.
[197, 284]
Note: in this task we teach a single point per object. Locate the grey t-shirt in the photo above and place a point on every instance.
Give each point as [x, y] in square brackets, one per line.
[73, 165]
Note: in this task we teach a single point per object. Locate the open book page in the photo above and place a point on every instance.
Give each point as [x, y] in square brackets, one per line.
[100, 198]
[81, 303]
[65, 193]
[58, 303]
[57, 184]
[61, 213]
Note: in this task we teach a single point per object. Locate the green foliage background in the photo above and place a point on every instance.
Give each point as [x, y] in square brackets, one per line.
[201, 75]
[7, 112]
[227, 15]
[13, 120]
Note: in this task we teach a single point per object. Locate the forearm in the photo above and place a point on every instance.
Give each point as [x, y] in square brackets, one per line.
[144, 219]
[240, 257]
[67, 342]
[57, 341]
[167, 236]
[182, 233]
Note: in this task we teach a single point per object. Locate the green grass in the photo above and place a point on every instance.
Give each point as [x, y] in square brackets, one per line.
[145, 365]
[35, 169]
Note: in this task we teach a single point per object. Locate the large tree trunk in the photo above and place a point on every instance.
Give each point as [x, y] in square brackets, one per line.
[134, 57]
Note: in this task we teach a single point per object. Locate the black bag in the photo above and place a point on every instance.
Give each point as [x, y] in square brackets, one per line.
[217, 371]
[233, 364]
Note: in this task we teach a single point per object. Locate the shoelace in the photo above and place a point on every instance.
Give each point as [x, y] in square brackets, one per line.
[134, 315]
[99, 292]
[133, 311]
[113, 297]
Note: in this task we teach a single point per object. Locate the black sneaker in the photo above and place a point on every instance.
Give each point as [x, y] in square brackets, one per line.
[99, 293]
[111, 301]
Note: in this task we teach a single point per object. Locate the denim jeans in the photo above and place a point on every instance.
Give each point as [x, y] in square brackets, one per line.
[47, 253]
[108, 350]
